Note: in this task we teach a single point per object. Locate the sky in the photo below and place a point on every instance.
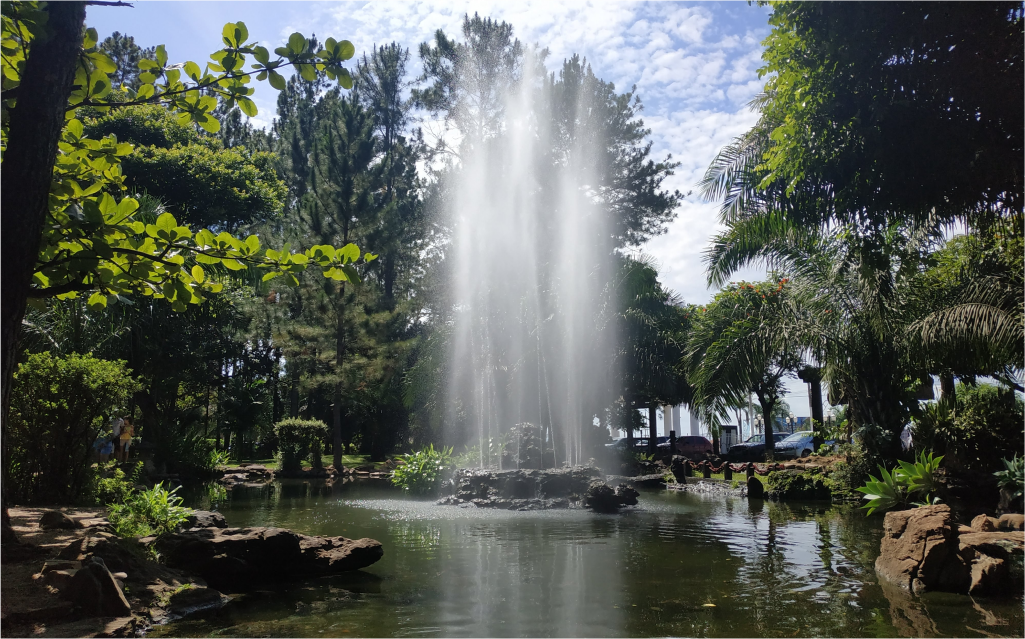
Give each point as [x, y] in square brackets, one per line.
[694, 65]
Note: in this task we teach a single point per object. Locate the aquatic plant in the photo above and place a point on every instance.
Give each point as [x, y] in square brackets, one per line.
[896, 488]
[422, 472]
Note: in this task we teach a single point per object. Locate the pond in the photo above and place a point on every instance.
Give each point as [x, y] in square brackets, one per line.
[677, 564]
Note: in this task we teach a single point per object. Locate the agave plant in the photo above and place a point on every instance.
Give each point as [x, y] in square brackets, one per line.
[1012, 478]
[898, 487]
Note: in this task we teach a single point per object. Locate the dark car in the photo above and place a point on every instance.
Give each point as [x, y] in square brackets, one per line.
[690, 446]
[753, 449]
[639, 443]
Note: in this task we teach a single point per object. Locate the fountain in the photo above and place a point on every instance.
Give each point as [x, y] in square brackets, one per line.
[531, 256]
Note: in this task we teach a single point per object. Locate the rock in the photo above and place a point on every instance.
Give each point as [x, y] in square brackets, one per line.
[984, 523]
[648, 481]
[115, 554]
[755, 488]
[59, 579]
[1011, 521]
[549, 488]
[94, 590]
[601, 497]
[205, 519]
[786, 485]
[60, 564]
[962, 529]
[193, 600]
[990, 557]
[238, 558]
[56, 520]
[919, 550]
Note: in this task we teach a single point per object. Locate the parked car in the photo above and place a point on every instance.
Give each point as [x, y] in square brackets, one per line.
[752, 449]
[640, 444]
[797, 445]
[690, 446]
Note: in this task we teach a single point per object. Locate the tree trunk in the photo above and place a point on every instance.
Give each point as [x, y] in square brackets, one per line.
[35, 125]
[948, 391]
[767, 405]
[339, 358]
[652, 427]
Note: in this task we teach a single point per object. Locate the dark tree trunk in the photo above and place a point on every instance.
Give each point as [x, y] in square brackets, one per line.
[339, 358]
[35, 126]
[948, 391]
[767, 403]
[389, 280]
[652, 428]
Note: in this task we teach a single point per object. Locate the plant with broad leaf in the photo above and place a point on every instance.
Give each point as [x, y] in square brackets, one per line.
[1012, 478]
[422, 472]
[907, 480]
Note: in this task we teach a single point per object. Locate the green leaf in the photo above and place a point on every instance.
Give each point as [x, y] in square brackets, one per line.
[192, 70]
[247, 106]
[307, 72]
[98, 300]
[198, 274]
[277, 80]
[166, 222]
[346, 50]
[161, 54]
[253, 242]
[261, 54]
[348, 253]
[296, 43]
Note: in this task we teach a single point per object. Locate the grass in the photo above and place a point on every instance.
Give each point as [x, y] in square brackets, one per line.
[347, 460]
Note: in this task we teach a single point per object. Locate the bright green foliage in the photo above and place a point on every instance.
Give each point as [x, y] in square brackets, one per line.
[1012, 477]
[115, 486]
[898, 487]
[93, 242]
[422, 472]
[59, 406]
[299, 439]
[156, 511]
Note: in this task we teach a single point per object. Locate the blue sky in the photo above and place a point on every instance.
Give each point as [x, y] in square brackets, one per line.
[694, 65]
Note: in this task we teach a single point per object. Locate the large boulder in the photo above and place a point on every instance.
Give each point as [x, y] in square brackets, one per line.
[205, 519]
[993, 559]
[56, 520]
[238, 558]
[788, 485]
[520, 489]
[919, 550]
[601, 497]
[95, 591]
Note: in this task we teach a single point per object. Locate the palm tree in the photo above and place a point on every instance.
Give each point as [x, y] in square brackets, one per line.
[742, 343]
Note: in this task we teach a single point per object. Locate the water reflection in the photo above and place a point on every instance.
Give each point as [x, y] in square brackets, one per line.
[686, 565]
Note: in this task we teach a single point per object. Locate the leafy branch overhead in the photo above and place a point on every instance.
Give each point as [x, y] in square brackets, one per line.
[92, 240]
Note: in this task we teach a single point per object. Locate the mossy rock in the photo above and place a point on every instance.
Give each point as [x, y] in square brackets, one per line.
[793, 485]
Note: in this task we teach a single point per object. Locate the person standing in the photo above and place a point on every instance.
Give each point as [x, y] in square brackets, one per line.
[116, 425]
[127, 430]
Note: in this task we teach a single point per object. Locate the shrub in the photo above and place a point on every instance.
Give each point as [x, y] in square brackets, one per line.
[907, 480]
[299, 439]
[58, 407]
[983, 425]
[117, 487]
[422, 472]
[156, 511]
[795, 484]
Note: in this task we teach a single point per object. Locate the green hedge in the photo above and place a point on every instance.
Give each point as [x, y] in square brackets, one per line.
[299, 439]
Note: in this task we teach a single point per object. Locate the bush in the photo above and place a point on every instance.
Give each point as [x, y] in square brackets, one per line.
[114, 486]
[794, 484]
[1012, 477]
[58, 407]
[985, 424]
[299, 439]
[422, 472]
[156, 511]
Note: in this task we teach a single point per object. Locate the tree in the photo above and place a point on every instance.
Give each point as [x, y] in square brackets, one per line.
[653, 327]
[899, 112]
[742, 343]
[125, 54]
[49, 71]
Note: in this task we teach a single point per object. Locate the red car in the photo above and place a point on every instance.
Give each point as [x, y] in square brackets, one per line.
[691, 446]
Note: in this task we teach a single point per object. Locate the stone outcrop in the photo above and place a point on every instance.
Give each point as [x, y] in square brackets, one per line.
[251, 475]
[205, 519]
[56, 520]
[755, 488]
[601, 497]
[239, 558]
[924, 549]
[94, 590]
[521, 489]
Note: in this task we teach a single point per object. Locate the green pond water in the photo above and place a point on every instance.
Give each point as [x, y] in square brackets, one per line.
[677, 564]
